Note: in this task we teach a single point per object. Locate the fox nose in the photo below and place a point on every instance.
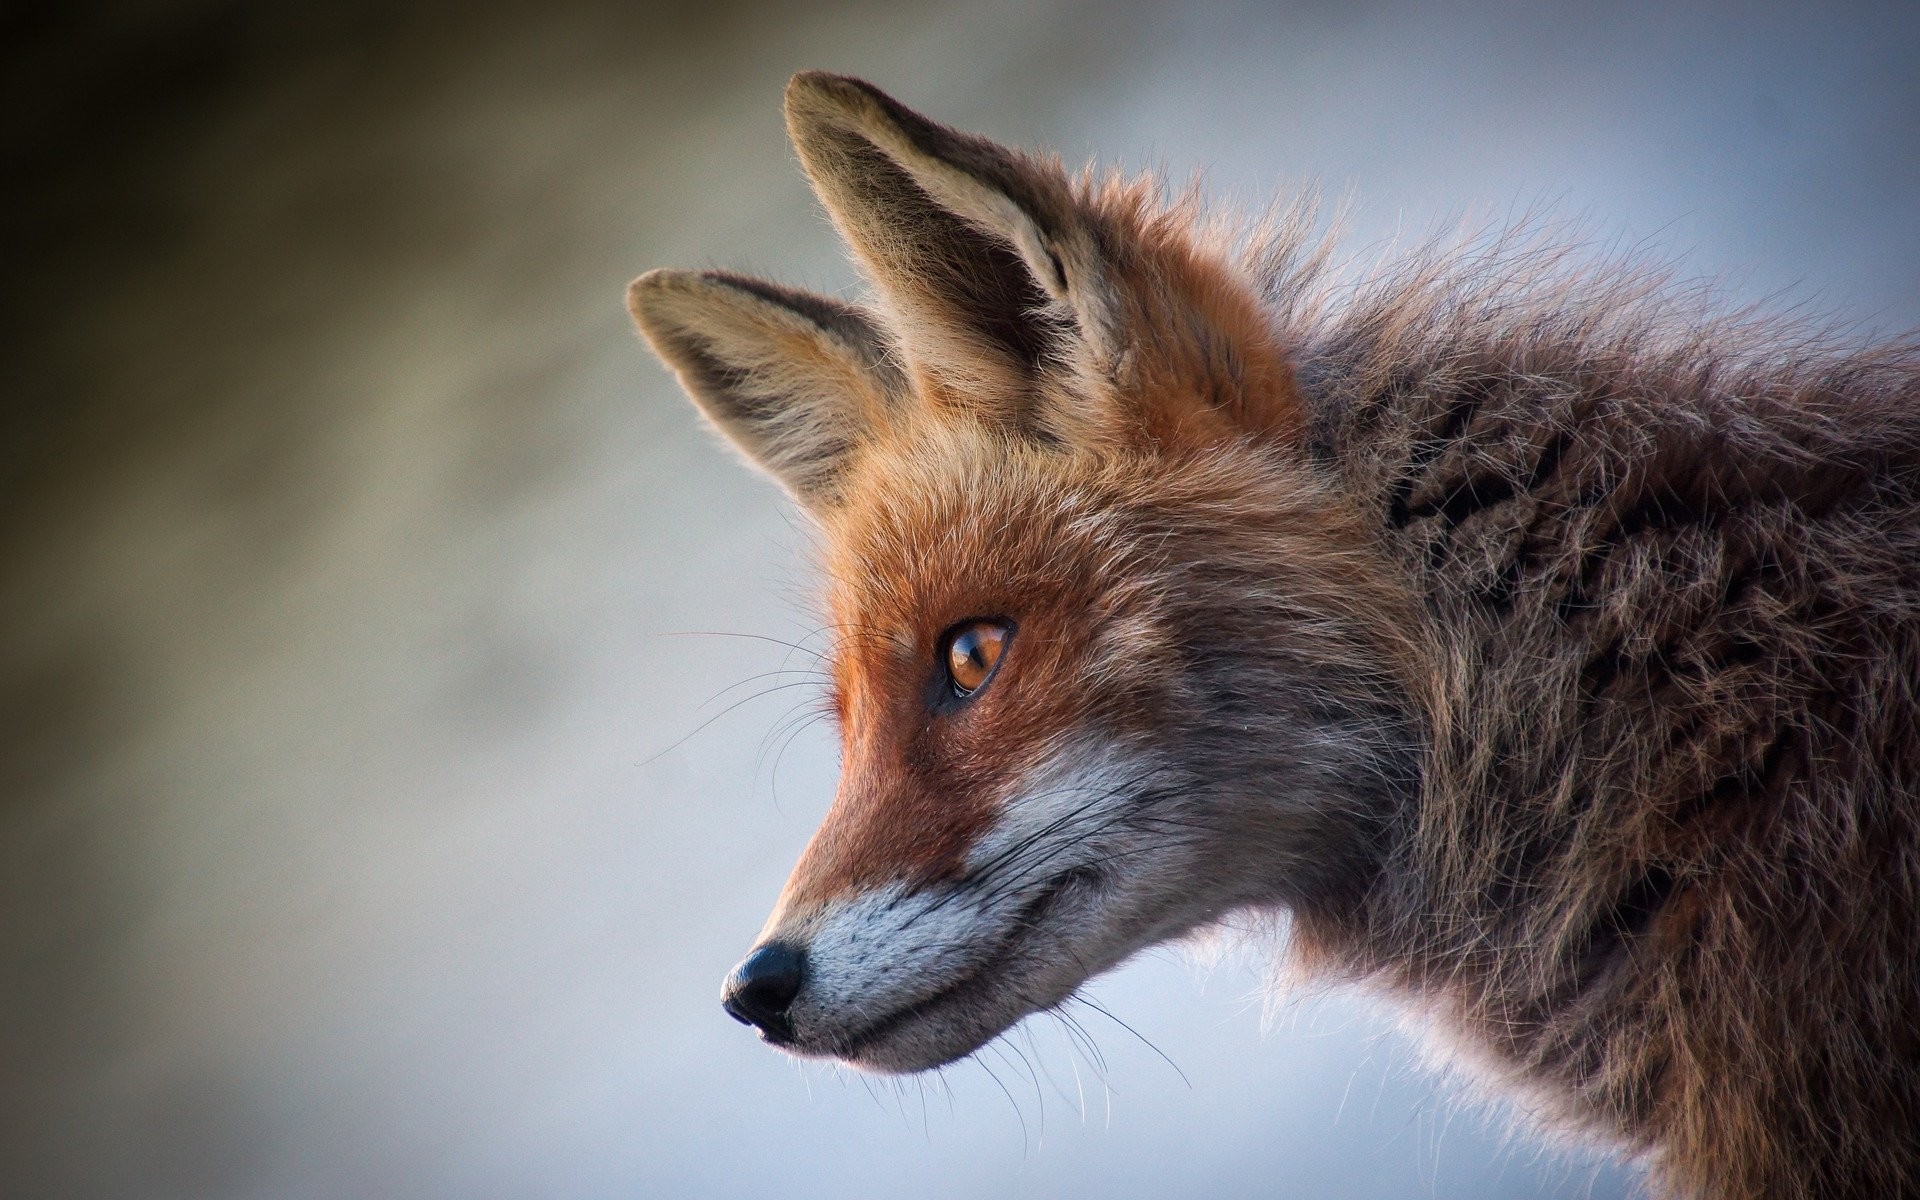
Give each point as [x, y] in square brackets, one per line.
[761, 988]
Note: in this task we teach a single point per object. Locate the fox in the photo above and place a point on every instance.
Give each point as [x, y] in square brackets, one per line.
[1538, 645]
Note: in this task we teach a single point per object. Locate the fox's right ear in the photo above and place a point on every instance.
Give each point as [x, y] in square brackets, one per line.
[793, 379]
[1072, 312]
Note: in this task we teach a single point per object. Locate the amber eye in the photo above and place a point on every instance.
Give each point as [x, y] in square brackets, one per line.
[973, 649]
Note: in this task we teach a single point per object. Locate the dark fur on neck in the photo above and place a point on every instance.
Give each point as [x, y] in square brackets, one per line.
[1664, 869]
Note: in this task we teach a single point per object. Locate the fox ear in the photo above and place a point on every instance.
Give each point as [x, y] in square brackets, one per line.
[1010, 288]
[795, 380]
[967, 242]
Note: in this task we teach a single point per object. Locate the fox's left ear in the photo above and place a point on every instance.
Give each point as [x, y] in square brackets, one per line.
[795, 380]
[1076, 314]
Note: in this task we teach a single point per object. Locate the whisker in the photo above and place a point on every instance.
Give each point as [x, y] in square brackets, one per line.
[1073, 1064]
[812, 674]
[692, 733]
[1018, 1115]
[797, 717]
[1007, 1051]
[756, 637]
[1095, 1059]
[1040, 1061]
[797, 727]
[1143, 1039]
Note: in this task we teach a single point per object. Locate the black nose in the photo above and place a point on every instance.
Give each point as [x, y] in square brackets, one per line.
[760, 989]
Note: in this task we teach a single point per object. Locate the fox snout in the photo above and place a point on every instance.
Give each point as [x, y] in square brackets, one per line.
[893, 978]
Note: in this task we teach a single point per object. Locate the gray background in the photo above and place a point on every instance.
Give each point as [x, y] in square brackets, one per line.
[362, 828]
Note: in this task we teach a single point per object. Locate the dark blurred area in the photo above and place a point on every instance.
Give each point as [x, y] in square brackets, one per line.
[362, 827]
[104, 107]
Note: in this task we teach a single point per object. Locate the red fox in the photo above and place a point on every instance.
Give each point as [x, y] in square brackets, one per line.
[1546, 651]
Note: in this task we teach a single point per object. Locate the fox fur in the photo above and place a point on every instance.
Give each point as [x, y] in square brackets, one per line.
[1546, 647]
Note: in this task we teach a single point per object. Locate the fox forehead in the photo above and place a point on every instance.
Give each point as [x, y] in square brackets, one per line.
[957, 520]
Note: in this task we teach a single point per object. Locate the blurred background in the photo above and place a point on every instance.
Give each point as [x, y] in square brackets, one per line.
[381, 795]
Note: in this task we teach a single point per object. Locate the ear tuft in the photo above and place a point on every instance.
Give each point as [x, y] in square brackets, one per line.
[795, 380]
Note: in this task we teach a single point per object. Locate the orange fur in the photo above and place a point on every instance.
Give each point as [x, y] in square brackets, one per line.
[1546, 648]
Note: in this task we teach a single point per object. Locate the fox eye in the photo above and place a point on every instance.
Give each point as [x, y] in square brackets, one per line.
[973, 649]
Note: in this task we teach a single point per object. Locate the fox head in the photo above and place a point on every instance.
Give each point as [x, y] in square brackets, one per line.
[1115, 655]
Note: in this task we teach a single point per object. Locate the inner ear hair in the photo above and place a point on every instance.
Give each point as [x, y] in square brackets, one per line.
[1070, 313]
[793, 379]
[963, 237]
